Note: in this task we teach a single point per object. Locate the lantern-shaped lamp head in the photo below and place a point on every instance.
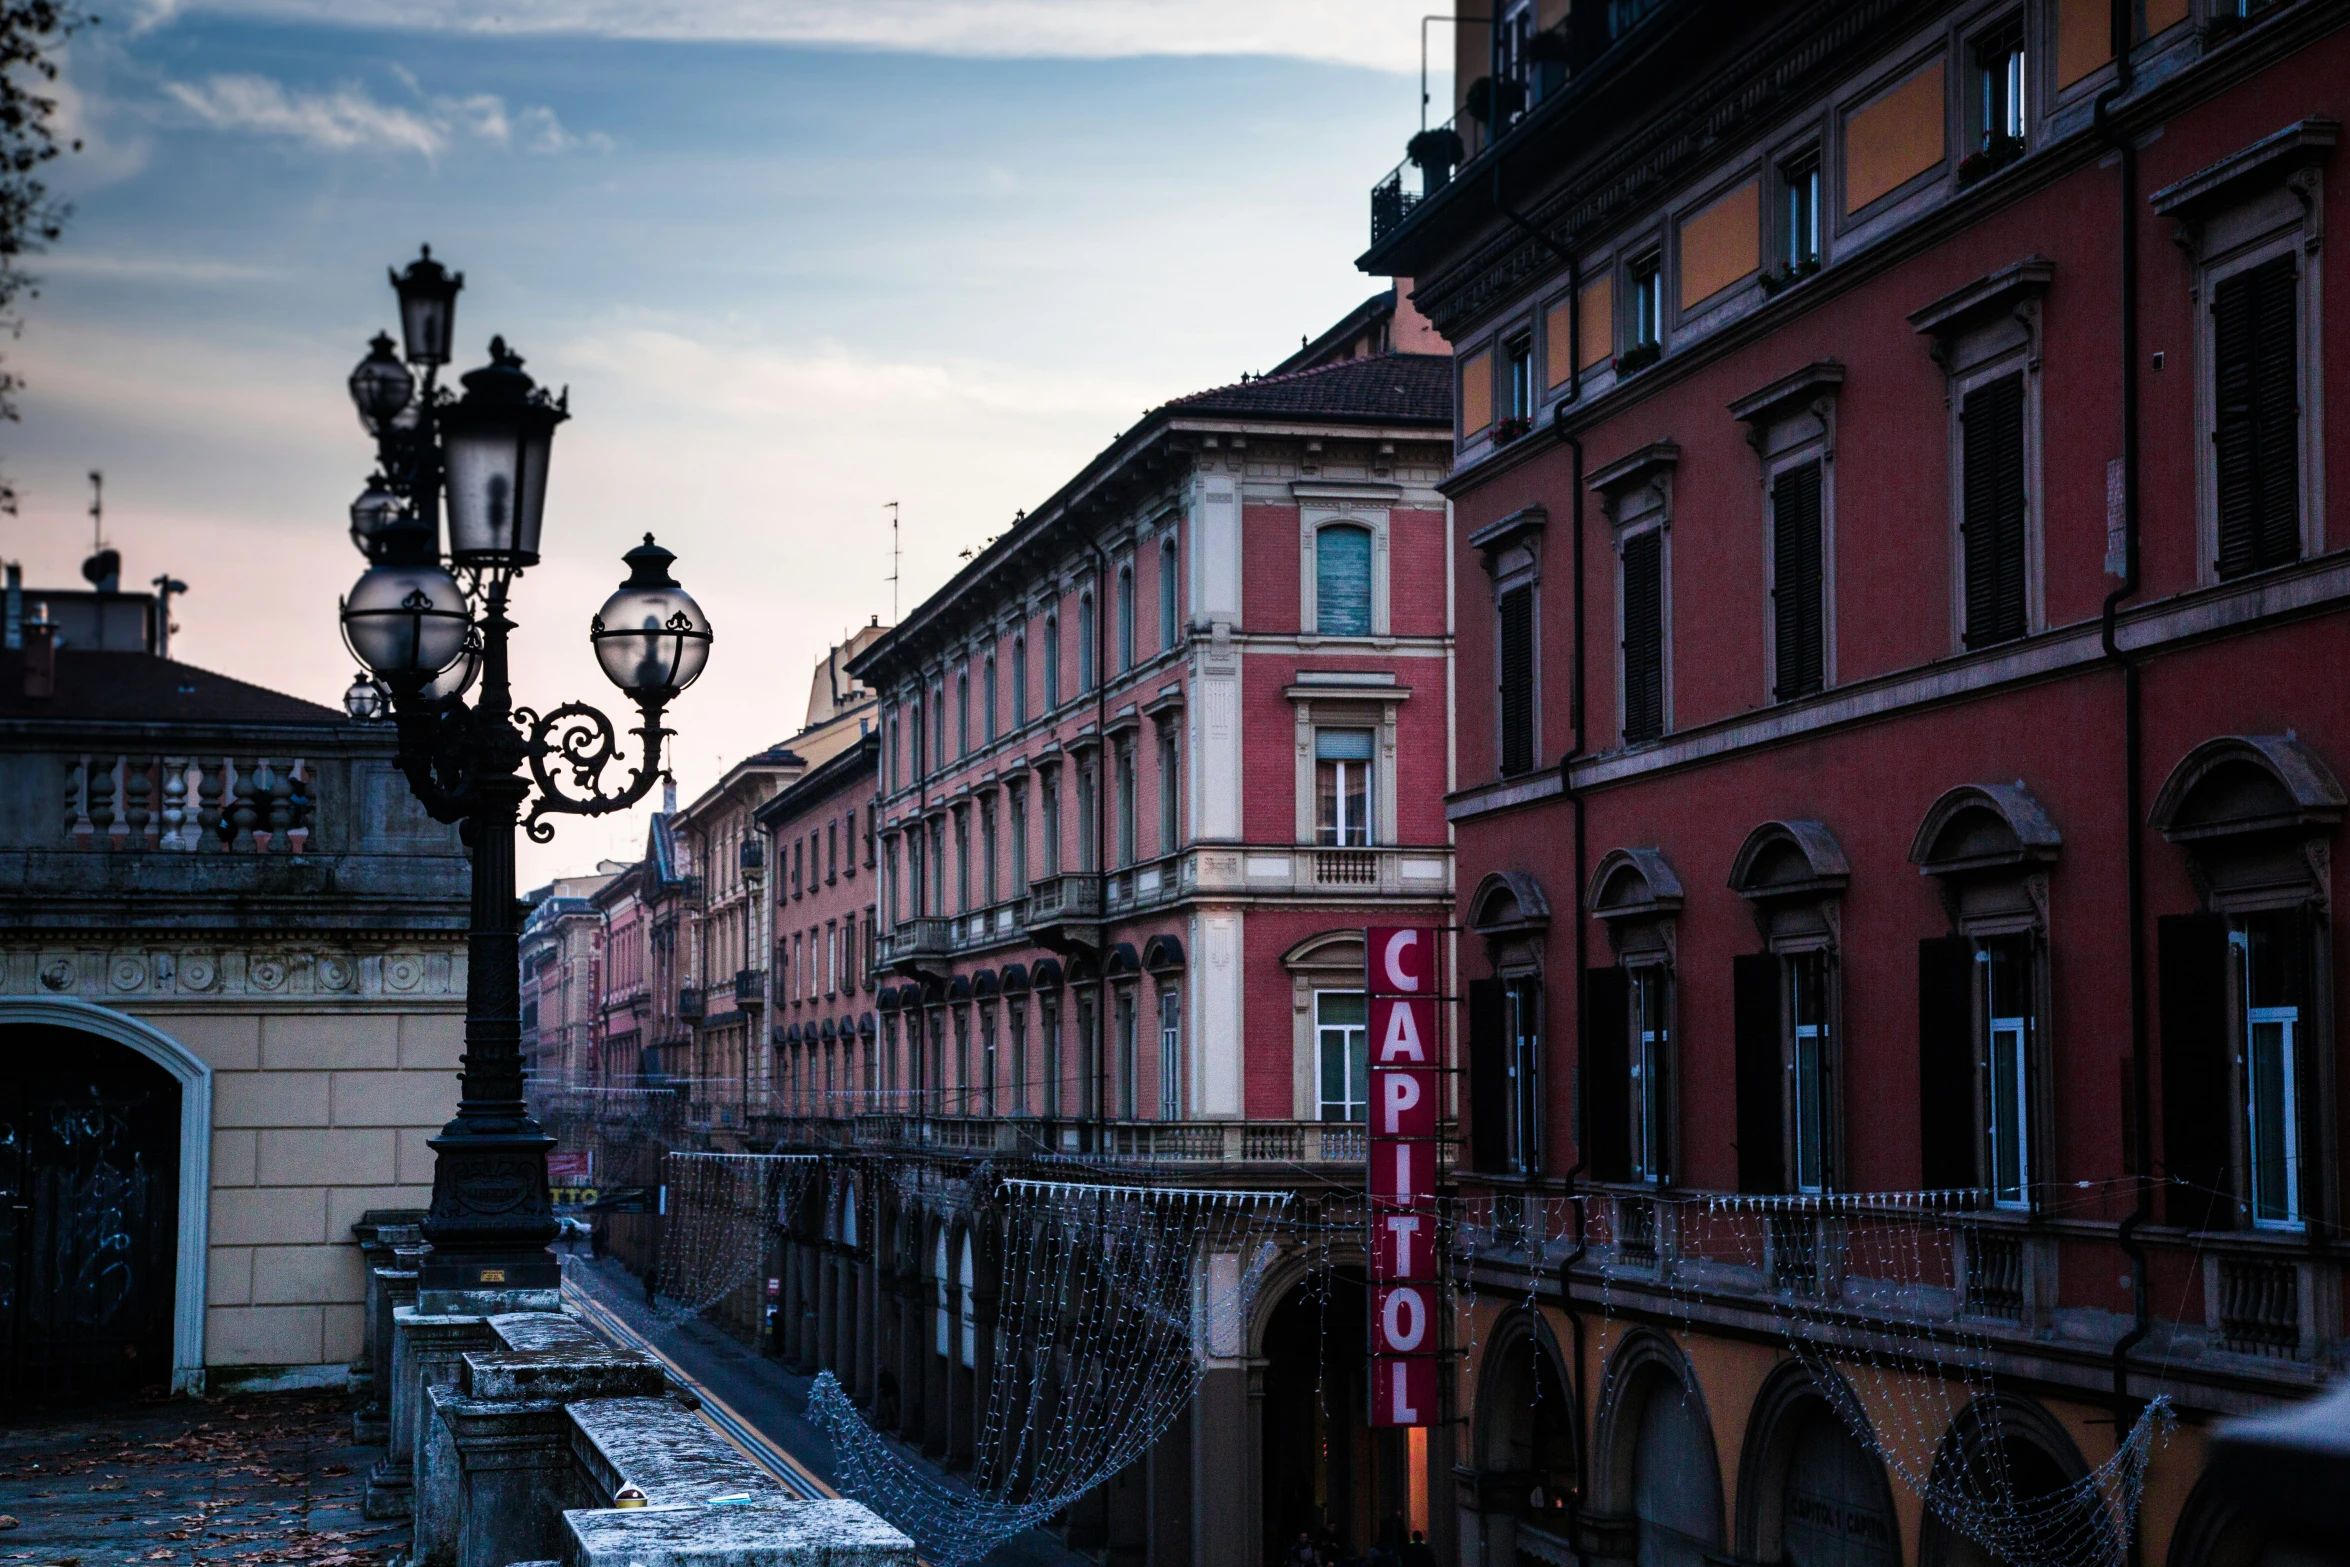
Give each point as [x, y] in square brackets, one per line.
[651, 637]
[496, 439]
[406, 623]
[386, 531]
[381, 387]
[428, 308]
[366, 701]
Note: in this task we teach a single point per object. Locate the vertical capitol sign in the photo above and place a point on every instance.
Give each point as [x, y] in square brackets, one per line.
[1401, 979]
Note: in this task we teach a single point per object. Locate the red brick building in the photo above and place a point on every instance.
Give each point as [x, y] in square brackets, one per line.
[1900, 728]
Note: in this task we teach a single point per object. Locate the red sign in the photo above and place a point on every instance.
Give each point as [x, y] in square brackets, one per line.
[1401, 959]
[1403, 1246]
[1403, 1031]
[1403, 1392]
[571, 1169]
[1400, 975]
[1403, 1104]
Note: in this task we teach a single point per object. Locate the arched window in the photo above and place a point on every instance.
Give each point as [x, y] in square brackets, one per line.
[1019, 682]
[921, 761]
[970, 1344]
[938, 1272]
[1167, 627]
[963, 713]
[987, 695]
[1125, 617]
[1342, 581]
[1085, 670]
[1052, 662]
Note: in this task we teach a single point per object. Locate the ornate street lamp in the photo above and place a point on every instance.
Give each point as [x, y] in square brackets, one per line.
[432, 628]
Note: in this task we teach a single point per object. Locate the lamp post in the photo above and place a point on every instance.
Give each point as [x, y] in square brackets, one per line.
[430, 624]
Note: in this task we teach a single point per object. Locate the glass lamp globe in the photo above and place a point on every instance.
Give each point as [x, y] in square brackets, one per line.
[365, 701]
[428, 308]
[375, 515]
[651, 637]
[454, 681]
[406, 623]
[381, 387]
[497, 439]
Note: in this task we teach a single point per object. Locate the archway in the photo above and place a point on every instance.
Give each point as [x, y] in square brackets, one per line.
[1809, 1494]
[1315, 1437]
[1526, 1437]
[1656, 1464]
[2007, 1463]
[105, 1144]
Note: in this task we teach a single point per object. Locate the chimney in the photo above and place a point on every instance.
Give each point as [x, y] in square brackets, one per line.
[40, 658]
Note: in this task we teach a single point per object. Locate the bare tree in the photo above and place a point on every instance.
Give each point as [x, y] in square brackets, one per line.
[31, 34]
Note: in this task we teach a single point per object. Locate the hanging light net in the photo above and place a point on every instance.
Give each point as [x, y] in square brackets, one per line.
[1112, 1299]
[721, 1210]
[1896, 1303]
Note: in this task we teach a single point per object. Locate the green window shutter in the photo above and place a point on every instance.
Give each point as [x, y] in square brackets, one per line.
[2256, 430]
[1991, 534]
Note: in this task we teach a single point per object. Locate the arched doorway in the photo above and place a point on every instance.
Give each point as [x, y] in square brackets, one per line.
[1811, 1495]
[1526, 1439]
[1655, 1467]
[1317, 1442]
[91, 1213]
[2009, 1465]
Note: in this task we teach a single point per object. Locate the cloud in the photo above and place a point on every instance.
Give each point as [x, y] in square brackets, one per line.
[67, 262]
[349, 119]
[1383, 34]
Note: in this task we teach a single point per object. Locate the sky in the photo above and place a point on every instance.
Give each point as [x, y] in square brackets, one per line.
[794, 260]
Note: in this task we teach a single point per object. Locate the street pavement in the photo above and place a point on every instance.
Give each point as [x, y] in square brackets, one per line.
[268, 1477]
[767, 1396]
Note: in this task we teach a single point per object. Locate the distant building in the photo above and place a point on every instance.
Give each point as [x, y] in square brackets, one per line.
[232, 994]
[561, 980]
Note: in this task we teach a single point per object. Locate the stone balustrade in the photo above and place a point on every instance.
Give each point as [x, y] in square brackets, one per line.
[189, 803]
[513, 1434]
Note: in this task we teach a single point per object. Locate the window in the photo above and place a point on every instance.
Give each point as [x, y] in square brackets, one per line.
[1171, 1054]
[1518, 388]
[1342, 787]
[1342, 1049]
[1016, 806]
[1799, 213]
[1808, 1068]
[1052, 824]
[938, 1296]
[1522, 1031]
[848, 949]
[1019, 682]
[2270, 955]
[1085, 674]
[1088, 817]
[962, 1100]
[1992, 539]
[1798, 611]
[1125, 1085]
[831, 852]
[962, 862]
[963, 714]
[1647, 298]
[969, 1316]
[798, 865]
[1999, 92]
[1089, 1057]
[938, 725]
[1652, 1087]
[921, 762]
[896, 739]
[2256, 428]
[1125, 617]
[1052, 662]
[1515, 676]
[2005, 967]
[987, 699]
[1644, 636]
[938, 867]
[1016, 1019]
[987, 857]
[1342, 581]
[987, 1060]
[1169, 820]
[1124, 763]
[1049, 1021]
[1167, 614]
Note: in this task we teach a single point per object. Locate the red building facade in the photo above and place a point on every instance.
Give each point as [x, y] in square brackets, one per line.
[1900, 731]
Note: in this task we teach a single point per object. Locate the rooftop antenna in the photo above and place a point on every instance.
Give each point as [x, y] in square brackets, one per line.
[97, 511]
[893, 563]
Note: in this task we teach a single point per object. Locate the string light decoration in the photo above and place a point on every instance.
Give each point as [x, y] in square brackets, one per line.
[721, 1209]
[1893, 1302]
[1112, 1300]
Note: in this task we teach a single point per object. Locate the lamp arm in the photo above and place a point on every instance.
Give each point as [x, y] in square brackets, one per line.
[581, 741]
[429, 751]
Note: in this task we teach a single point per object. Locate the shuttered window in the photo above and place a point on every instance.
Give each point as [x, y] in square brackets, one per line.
[1516, 657]
[1796, 610]
[2256, 433]
[1342, 582]
[1488, 1076]
[2192, 960]
[1946, 1063]
[1991, 535]
[1644, 637]
[1759, 1071]
[1607, 1084]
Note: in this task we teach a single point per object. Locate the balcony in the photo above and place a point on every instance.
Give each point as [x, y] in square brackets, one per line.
[1065, 911]
[1382, 871]
[1193, 1145]
[920, 944]
[689, 1003]
[750, 988]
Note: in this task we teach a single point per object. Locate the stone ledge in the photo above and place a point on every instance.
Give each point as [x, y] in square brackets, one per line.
[786, 1534]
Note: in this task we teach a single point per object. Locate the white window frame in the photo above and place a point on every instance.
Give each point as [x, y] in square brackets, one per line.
[1651, 1041]
[1171, 1053]
[1349, 1038]
[1313, 517]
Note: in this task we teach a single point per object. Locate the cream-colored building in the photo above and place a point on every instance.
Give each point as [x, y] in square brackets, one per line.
[232, 989]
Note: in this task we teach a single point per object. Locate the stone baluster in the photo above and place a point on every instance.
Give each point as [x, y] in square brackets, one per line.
[209, 784]
[77, 802]
[238, 819]
[264, 793]
[175, 804]
[100, 772]
[138, 777]
[301, 802]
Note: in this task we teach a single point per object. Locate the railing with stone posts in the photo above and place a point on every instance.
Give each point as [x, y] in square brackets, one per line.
[189, 804]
